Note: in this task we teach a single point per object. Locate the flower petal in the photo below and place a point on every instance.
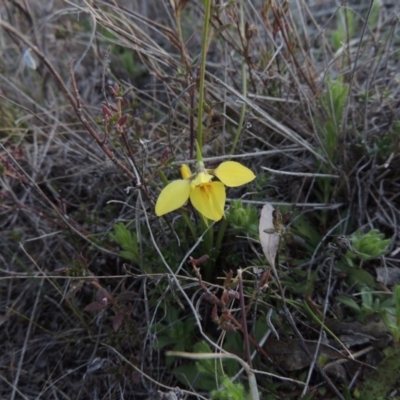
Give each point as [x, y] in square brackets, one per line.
[173, 196]
[232, 174]
[185, 171]
[209, 200]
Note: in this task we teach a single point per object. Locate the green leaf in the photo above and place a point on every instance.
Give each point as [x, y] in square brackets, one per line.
[305, 229]
[229, 391]
[396, 296]
[349, 302]
[357, 275]
[367, 299]
[207, 366]
[345, 27]
[190, 376]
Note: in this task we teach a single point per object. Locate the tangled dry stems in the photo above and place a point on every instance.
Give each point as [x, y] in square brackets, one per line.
[63, 185]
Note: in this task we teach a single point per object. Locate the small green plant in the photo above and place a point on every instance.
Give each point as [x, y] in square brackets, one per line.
[175, 332]
[371, 303]
[208, 374]
[229, 391]
[329, 126]
[128, 241]
[367, 246]
[345, 28]
[243, 218]
[361, 247]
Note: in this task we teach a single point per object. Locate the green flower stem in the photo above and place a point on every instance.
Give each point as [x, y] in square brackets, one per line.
[199, 156]
[221, 234]
[207, 245]
[209, 233]
[204, 46]
[244, 85]
[163, 177]
[189, 224]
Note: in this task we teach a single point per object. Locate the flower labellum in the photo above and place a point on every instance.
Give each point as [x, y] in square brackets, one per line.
[207, 195]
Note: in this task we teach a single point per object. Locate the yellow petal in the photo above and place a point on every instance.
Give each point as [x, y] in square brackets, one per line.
[185, 171]
[232, 174]
[209, 200]
[173, 196]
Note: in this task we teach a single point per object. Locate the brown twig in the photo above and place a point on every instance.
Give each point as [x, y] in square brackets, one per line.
[213, 299]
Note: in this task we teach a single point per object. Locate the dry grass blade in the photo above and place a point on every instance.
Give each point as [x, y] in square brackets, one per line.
[271, 122]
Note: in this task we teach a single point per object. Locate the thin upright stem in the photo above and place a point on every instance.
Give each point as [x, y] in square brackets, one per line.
[204, 47]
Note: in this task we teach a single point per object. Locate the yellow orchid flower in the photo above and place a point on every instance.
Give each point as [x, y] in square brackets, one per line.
[207, 195]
